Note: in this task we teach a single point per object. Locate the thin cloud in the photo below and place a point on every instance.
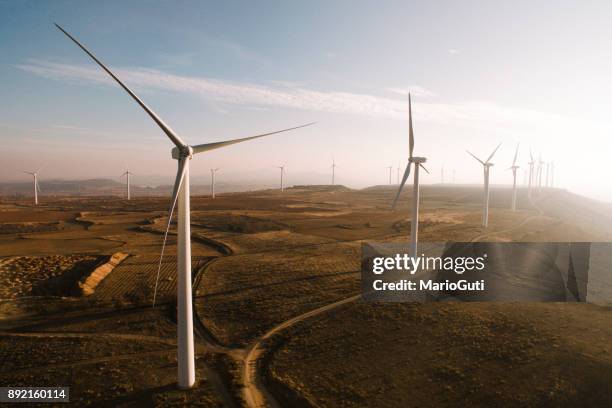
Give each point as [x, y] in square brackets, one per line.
[415, 90]
[475, 115]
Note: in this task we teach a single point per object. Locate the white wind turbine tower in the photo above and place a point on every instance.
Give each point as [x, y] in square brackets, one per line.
[183, 153]
[514, 168]
[531, 175]
[282, 173]
[390, 170]
[486, 166]
[540, 171]
[127, 174]
[212, 181]
[552, 174]
[333, 167]
[418, 164]
[34, 174]
[398, 172]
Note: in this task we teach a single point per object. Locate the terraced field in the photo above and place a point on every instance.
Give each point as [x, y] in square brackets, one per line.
[133, 281]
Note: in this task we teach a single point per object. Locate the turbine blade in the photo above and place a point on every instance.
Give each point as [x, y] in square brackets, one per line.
[401, 186]
[180, 174]
[491, 156]
[38, 187]
[169, 132]
[410, 131]
[423, 167]
[216, 145]
[531, 154]
[471, 154]
[515, 154]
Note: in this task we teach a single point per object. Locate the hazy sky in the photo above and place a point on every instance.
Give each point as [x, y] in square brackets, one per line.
[480, 72]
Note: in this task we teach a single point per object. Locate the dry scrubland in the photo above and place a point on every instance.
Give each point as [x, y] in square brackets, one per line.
[263, 258]
[398, 355]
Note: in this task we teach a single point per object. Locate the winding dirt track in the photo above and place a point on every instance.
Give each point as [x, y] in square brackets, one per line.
[254, 391]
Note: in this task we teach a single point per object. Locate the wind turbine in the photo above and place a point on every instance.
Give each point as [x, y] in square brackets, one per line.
[212, 181]
[390, 169]
[183, 153]
[531, 175]
[547, 174]
[333, 167]
[398, 172]
[514, 168]
[282, 172]
[418, 164]
[127, 182]
[34, 174]
[552, 174]
[540, 168]
[486, 166]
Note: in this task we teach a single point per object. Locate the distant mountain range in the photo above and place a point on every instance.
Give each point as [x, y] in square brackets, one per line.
[105, 187]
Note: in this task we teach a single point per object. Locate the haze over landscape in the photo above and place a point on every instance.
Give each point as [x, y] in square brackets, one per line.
[479, 74]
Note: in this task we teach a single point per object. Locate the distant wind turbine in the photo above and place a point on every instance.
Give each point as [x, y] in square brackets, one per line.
[531, 174]
[418, 164]
[282, 173]
[514, 168]
[486, 166]
[390, 169]
[34, 174]
[212, 181]
[127, 183]
[398, 173]
[183, 153]
[540, 171]
[333, 167]
[552, 174]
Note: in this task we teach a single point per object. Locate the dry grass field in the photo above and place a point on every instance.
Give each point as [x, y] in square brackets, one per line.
[276, 317]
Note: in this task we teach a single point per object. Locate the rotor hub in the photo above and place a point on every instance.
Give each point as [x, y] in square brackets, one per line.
[182, 152]
[417, 160]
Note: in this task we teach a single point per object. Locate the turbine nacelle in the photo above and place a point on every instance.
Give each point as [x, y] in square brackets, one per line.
[182, 152]
[417, 160]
